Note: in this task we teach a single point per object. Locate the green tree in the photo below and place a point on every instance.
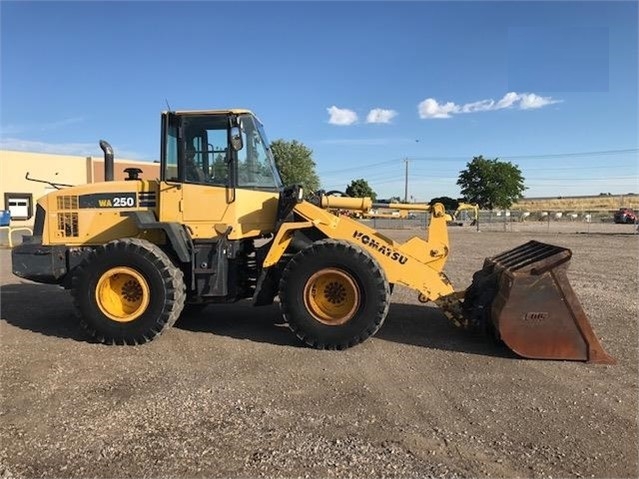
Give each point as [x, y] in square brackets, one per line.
[360, 188]
[491, 183]
[448, 202]
[295, 162]
[219, 168]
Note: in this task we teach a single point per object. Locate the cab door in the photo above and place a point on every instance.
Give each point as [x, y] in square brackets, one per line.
[206, 171]
[196, 173]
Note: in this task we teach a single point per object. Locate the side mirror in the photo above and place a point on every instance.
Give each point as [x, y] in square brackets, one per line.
[236, 138]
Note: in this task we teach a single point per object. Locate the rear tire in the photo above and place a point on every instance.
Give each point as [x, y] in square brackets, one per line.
[128, 291]
[334, 295]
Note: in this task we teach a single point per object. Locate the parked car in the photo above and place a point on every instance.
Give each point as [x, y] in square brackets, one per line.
[625, 215]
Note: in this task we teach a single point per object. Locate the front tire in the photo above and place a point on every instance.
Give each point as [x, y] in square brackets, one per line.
[334, 295]
[128, 291]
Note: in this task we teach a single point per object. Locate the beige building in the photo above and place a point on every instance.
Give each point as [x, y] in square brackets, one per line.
[19, 195]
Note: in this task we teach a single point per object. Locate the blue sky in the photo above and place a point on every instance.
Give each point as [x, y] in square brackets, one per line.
[550, 86]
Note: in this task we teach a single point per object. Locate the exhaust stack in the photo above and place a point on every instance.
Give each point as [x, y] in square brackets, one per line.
[108, 160]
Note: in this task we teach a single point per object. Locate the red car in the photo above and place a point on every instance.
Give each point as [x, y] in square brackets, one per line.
[625, 215]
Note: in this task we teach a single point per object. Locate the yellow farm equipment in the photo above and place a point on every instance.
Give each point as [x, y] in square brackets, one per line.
[468, 209]
[218, 226]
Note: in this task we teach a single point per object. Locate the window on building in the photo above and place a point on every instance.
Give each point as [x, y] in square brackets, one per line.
[19, 204]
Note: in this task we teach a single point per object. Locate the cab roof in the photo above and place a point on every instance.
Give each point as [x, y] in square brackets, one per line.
[235, 111]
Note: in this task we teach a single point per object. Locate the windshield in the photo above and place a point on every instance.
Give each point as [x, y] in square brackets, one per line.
[256, 165]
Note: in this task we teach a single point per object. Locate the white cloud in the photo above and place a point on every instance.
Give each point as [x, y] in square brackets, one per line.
[481, 105]
[530, 100]
[341, 116]
[13, 129]
[377, 141]
[379, 115]
[508, 100]
[56, 125]
[431, 108]
[72, 149]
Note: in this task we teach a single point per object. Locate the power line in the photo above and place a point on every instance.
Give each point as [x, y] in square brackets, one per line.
[417, 172]
[558, 168]
[503, 157]
[607, 178]
[389, 171]
[587, 153]
[534, 157]
[354, 168]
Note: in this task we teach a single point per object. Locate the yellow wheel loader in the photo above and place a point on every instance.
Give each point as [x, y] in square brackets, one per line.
[218, 226]
[454, 218]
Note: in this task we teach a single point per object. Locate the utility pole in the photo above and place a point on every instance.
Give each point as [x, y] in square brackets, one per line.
[406, 182]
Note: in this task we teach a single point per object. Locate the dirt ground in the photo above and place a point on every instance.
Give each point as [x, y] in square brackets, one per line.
[232, 394]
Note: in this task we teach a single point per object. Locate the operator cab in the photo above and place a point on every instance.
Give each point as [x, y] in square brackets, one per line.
[218, 148]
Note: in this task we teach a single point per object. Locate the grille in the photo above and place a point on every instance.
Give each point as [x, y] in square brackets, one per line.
[67, 202]
[68, 224]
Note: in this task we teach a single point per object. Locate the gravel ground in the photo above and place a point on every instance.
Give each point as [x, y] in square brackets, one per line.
[232, 394]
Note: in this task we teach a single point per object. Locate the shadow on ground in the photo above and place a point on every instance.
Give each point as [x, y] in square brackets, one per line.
[48, 310]
[413, 324]
[240, 320]
[427, 327]
[41, 308]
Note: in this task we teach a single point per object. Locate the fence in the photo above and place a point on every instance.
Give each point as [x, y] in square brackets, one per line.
[516, 221]
[513, 221]
[552, 221]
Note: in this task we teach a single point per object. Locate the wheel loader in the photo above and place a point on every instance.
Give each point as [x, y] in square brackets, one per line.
[218, 226]
[454, 218]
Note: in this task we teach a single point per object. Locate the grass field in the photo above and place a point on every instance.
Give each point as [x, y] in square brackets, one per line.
[579, 204]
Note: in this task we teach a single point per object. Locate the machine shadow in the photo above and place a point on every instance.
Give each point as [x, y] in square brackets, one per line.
[41, 308]
[427, 327]
[240, 320]
[412, 324]
[48, 310]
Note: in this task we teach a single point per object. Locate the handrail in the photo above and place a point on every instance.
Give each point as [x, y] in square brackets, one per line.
[11, 229]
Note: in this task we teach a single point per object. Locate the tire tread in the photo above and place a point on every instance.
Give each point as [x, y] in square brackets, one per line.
[370, 265]
[172, 277]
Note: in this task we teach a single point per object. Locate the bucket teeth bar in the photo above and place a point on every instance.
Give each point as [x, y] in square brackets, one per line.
[524, 297]
[452, 307]
[532, 257]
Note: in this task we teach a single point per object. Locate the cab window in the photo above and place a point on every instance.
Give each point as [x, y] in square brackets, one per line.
[255, 166]
[205, 150]
[171, 154]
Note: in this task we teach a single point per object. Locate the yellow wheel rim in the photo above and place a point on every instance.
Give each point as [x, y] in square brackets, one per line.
[122, 294]
[332, 296]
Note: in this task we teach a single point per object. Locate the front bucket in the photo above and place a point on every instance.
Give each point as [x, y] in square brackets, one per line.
[526, 296]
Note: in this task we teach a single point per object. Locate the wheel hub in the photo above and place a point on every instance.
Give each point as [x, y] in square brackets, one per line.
[332, 296]
[335, 292]
[122, 294]
[132, 291]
